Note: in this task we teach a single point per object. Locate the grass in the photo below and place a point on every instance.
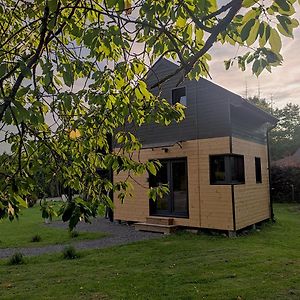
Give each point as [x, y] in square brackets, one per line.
[30, 225]
[262, 265]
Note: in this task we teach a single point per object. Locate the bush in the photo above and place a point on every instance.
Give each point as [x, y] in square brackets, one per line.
[36, 238]
[74, 234]
[16, 259]
[285, 184]
[47, 209]
[31, 200]
[70, 252]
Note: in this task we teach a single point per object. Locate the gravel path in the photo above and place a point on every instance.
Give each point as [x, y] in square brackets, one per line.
[119, 234]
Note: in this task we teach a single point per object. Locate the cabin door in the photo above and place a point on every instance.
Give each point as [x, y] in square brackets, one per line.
[174, 173]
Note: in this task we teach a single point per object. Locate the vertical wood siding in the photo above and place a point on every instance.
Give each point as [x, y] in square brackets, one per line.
[252, 200]
[215, 200]
[210, 206]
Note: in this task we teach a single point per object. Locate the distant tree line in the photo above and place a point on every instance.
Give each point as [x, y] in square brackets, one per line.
[284, 140]
[285, 137]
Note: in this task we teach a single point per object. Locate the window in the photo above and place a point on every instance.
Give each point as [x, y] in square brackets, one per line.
[179, 95]
[174, 173]
[258, 170]
[227, 169]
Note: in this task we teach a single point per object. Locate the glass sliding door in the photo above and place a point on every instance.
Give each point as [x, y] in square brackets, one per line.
[174, 173]
[179, 187]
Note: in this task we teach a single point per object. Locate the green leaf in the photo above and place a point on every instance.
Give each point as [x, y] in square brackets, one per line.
[151, 168]
[261, 29]
[256, 67]
[275, 41]
[266, 35]
[251, 14]
[144, 90]
[180, 22]
[68, 211]
[227, 63]
[68, 78]
[285, 26]
[253, 33]
[3, 69]
[23, 91]
[283, 4]
[52, 5]
[20, 201]
[248, 3]
[25, 70]
[199, 33]
[246, 29]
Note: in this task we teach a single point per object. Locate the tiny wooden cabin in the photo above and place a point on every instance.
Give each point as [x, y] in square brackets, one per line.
[215, 161]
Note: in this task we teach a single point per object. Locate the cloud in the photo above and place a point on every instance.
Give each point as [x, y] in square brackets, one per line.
[283, 84]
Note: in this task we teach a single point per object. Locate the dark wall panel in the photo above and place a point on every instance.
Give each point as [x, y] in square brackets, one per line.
[207, 113]
[212, 111]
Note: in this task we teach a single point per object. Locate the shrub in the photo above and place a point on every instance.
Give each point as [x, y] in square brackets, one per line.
[36, 238]
[48, 210]
[16, 259]
[285, 184]
[31, 200]
[74, 234]
[70, 252]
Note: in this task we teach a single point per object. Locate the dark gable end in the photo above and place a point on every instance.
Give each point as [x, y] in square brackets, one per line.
[212, 111]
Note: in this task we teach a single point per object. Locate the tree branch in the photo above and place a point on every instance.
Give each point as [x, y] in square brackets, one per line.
[221, 26]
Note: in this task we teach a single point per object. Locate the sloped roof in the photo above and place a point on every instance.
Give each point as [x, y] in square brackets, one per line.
[235, 100]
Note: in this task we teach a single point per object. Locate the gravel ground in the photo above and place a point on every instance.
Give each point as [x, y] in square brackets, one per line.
[119, 234]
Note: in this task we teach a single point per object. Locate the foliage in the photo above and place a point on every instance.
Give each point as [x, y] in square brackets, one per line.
[36, 238]
[262, 265]
[285, 183]
[47, 209]
[31, 200]
[285, 137]
[73, 83]
[70, 252]
[262, 103]
[16, 259]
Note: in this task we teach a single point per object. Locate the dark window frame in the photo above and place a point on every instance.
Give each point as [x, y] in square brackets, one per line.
[228, 169]
[172, 95]
[169, 161]
[258, 174]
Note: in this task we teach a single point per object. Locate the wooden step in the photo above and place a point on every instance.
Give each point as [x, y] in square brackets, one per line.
[160, 220]
[166, 229]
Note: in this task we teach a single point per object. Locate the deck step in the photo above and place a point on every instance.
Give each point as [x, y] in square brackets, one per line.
[160, 220]
[166, 229]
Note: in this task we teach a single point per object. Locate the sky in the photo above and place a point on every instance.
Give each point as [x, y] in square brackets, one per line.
[282, 85]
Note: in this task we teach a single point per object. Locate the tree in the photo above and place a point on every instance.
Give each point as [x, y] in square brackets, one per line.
[262, 103]
[285, 137]
[72, 79]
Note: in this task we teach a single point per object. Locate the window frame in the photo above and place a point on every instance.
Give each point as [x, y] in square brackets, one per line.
[258, 168]
[228, 169]
[170, 212]
[176, 88]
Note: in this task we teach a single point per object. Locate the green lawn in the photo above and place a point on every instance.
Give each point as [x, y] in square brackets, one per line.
[19, 233]
[262, 265]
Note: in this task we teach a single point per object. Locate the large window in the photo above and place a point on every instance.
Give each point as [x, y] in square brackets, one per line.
[227, 169]
[179, 95]
[258, 170]
[174, 173]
